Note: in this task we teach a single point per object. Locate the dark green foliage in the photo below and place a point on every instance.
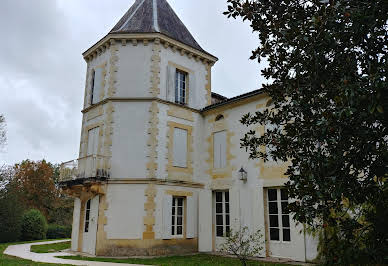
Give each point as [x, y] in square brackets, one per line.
[56, 231]
[11, 212]
[328, 71]
[34, 226]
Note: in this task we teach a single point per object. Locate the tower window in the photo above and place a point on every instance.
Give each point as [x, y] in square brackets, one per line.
[180, 87]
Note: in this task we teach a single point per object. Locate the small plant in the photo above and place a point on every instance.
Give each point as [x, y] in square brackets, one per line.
[34, 225]
[243, 244]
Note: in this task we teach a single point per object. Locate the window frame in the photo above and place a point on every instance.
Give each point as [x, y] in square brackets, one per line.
[224, 213]
[87, 216]
[280, 213]
[179, 98]
[175, 215]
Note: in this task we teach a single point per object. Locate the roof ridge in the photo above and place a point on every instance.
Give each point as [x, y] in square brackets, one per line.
[131, 16]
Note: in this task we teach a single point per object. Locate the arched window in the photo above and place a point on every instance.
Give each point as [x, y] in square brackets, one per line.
[219, 117]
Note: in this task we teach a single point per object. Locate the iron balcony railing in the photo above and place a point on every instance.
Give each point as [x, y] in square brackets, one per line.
[89, 167]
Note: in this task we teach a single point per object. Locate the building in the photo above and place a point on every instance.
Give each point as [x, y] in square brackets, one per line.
[159, 164]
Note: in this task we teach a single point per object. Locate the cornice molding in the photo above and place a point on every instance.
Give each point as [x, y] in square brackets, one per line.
[190, 52]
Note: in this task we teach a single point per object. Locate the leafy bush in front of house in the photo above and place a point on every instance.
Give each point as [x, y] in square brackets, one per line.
[56, 231]
[34, 225]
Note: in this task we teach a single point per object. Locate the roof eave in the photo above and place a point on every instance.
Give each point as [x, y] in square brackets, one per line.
[149, 36]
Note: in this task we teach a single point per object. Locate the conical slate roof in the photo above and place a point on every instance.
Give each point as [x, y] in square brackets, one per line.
[150, 16]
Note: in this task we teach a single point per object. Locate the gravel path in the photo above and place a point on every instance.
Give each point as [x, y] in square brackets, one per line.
[23, 251]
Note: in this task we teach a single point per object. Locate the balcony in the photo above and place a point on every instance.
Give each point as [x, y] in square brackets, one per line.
[91, 167]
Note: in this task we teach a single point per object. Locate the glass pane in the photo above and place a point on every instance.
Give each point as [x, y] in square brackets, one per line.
[273, 221]
[87, 215]
[180, 210]
[173, 210]
[284, 194]
[173, 230]
[286, 235]
[220, 231]
[87, 227]
[219, 220]
[227, 196]
[285, 221]
[274, 234]
[273, 208]
[173, 201]
[227, 230]
[173, 220]
[285, 207]
[226, 207]
[218, 196]
[227, 220]
[272, 194]
[179, 220]
[180, 202]
[179, 230]
[218, 207]
[88, 205]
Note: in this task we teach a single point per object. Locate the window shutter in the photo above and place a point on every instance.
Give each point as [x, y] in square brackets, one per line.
[234, 208]
[180, 148]
[219, 149]
[93, 141]
[75, 229]
[170, 83]
[192, 216]
[97, 85]
[205, 239]
[167, 215]
[192, 90]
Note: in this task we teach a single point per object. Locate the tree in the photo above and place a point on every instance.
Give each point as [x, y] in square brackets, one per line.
[242, 244]
[327, 72]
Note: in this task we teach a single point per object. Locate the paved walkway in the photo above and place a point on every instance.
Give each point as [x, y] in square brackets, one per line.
[23, 251]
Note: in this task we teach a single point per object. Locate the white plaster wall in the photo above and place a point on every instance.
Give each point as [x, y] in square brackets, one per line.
[198, 100]
[125, 211]
[134, 70]
[75, 227]
[129, 141]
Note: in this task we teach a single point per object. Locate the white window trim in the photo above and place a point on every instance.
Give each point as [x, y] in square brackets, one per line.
[223, 213]
[280, 214]
[175, 216]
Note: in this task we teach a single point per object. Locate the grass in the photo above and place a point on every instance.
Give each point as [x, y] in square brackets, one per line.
[194, 260]
[48, 248]
[8, 260]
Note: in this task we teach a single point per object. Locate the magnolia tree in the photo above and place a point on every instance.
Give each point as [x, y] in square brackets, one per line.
[327, 72]
[243, 244]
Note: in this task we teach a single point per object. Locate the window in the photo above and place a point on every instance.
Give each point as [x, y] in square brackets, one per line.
[87, 216]
[219, 155]
[180, 87]
[222, 213]
[180, 148]
[177, 216]
[278, 215]
[96, 85]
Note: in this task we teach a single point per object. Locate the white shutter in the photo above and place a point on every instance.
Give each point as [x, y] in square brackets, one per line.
[220, 149]
[180, 148]
[97, 85]
[171, 83]
[205, 239]
[167, 215]
[75, 229]
[192, 217]
[93, 141]
[192, 91]
[234, 195]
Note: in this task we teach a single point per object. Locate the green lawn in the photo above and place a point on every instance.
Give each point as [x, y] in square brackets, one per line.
[8, 260]
[194, 260]
[48, 248]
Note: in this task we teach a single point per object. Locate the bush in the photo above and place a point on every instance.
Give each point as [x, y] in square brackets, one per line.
[55, 231]
[34, 225]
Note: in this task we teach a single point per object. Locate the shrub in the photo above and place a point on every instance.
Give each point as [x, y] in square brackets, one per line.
[34, 225]
[55, 231]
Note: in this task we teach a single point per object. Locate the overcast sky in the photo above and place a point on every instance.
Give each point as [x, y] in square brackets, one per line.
[42, 72]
